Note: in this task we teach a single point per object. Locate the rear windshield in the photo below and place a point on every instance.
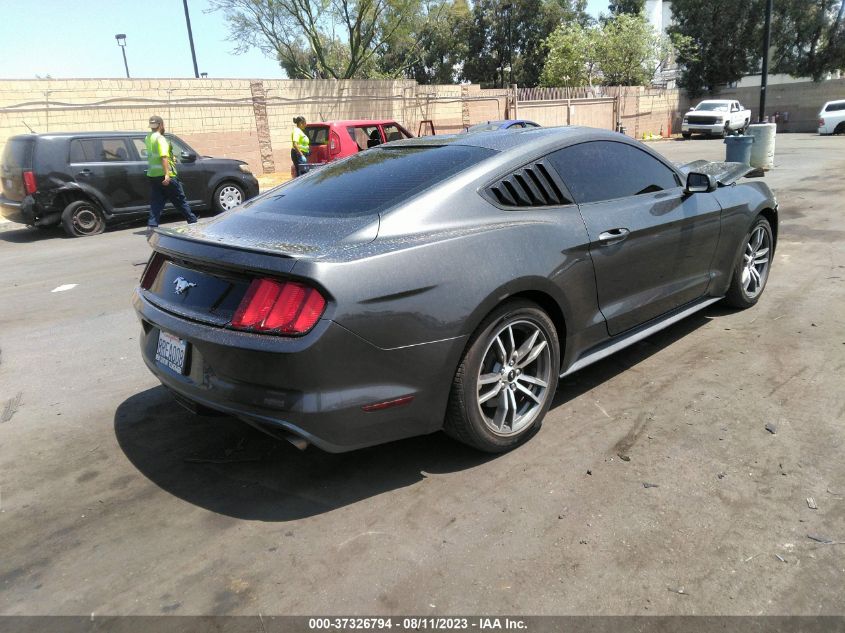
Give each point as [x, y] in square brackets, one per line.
[317, 135]
[834, 107]
[484, 127]
[371, 181]
[18, 154]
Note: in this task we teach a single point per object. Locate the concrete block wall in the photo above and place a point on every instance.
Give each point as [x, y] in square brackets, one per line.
[225, 117]
[802, 100]
[228, 117]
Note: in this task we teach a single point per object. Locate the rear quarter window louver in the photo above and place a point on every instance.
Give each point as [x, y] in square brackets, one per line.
[531, 186]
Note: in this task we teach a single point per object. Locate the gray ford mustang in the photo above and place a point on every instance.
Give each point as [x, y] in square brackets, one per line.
[444, 283]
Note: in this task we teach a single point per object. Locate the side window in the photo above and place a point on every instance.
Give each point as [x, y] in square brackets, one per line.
[107, 150]
[393, 133]
[177, 148]
[605, 170]
[114, 150]
[140, 147]
[835, 107]
[82, 151]
[365, 136]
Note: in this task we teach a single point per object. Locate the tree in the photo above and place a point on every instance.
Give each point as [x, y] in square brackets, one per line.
[571, 57]
[623, 49]
[317, 38]
[431, 46]
[629, 51]
[513, 33]
[809, 37]
[726, 41]
[628, 7]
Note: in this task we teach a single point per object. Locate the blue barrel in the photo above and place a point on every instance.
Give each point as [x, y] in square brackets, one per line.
[738, 149]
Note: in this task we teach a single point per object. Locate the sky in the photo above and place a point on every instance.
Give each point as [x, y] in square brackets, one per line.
[75, 39]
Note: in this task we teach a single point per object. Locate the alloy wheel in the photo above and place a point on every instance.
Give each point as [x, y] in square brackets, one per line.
[756, 262]
[514, 378]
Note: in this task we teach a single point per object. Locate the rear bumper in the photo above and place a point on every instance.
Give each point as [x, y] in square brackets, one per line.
[314, 386]
[22, 212]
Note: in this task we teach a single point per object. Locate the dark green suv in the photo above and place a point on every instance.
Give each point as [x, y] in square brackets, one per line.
[88, 180]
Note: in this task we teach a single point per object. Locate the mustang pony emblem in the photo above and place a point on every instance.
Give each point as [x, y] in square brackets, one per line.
[181, 284]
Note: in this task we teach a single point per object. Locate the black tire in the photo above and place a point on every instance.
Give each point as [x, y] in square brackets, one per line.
[686, 135]
[83, 218]
[227, 196]
[746, 288]
[466, 417]
[839, 129]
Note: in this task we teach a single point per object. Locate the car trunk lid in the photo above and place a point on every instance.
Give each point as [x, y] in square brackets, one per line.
[258, 229]
[202, 271]
[16, 162]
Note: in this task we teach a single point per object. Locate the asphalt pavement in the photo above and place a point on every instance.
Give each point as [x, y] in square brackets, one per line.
[113, 500]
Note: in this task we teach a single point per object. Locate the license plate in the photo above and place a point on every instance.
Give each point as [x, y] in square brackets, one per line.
[171, 352]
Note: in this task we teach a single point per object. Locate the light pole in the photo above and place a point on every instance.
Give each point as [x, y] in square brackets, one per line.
[764, 77]
[191, 38]
[121, 41]
[509, 8]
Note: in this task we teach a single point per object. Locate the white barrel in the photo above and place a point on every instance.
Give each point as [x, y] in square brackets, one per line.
[763, 150]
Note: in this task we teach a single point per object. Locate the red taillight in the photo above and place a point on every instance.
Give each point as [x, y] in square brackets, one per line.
[334, 143]
[283, 307]
[151, 271]
[29, 182]
[821, 122]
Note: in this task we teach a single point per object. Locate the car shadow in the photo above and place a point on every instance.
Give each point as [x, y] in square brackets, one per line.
[228, 467]
[594, 375]
[27, 235]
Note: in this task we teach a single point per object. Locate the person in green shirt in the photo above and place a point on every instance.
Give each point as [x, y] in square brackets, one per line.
[300, 146]
[161, 171]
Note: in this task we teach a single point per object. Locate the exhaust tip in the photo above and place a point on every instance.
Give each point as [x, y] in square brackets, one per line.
[279, 433]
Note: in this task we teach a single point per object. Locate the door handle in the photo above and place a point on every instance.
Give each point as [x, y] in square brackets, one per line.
[613, 236]
[84, 172]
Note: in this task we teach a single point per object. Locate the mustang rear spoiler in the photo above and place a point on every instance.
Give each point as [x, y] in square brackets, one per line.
[725, 173]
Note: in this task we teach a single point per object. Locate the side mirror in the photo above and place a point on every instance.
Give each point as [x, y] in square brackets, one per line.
[700, 183]
[691, 108]
[188, 157]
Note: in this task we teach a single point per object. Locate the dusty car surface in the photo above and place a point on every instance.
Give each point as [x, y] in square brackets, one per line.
[445, 283]
[87, 180]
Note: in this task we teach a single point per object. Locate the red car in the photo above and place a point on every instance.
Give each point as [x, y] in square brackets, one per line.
[337, 139]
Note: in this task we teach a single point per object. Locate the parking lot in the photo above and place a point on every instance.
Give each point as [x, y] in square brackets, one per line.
[114, 500]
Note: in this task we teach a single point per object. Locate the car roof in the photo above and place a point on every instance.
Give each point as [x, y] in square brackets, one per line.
[83, 134]
[523, 140]
[353, 122]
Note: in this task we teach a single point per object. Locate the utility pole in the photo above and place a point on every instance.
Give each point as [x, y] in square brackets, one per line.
[191, 39]
[764, 79]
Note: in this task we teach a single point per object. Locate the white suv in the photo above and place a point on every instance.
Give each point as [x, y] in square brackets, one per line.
[832, 117]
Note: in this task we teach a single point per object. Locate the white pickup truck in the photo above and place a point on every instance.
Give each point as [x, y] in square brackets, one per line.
[716, 117]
